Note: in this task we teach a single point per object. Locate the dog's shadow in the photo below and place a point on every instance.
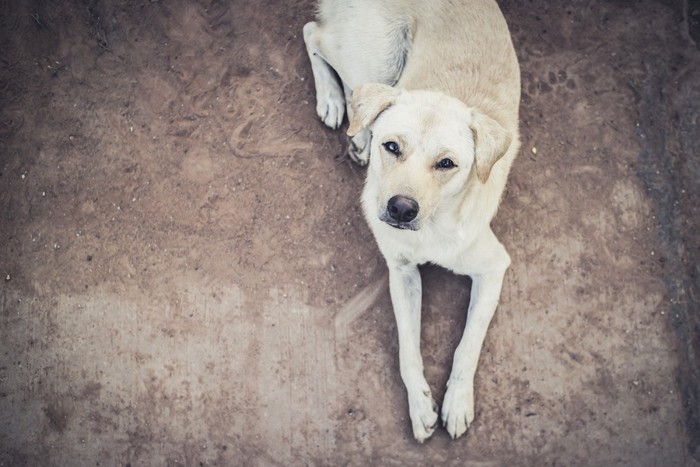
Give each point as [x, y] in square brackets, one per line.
[445, 303]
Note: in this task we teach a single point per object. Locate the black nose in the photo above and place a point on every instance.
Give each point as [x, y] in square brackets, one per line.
[402, 209]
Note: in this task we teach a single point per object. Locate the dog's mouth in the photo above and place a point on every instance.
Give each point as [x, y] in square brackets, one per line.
[412, 225]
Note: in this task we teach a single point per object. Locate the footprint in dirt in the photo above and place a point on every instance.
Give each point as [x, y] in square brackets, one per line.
[554, 82]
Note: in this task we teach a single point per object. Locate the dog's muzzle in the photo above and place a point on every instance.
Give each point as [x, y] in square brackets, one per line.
[401, 213]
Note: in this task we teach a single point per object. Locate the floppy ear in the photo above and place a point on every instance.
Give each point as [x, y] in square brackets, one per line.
[491, 141]
[368, 101]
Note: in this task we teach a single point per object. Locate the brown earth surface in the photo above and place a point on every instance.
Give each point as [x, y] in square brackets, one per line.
[187, 279]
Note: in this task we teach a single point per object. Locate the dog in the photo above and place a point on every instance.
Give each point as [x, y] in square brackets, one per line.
[431, 90]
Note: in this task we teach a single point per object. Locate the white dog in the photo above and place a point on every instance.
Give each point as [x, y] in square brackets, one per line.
[431, 89]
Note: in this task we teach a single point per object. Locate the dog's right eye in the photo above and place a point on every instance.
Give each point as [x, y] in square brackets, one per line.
[392, 147]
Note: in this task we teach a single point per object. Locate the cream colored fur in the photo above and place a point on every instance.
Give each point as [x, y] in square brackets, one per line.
[431, 89]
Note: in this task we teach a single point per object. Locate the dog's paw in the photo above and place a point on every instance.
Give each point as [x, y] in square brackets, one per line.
[424, 415]
[358, 149]
[458, 407]
[330, 104]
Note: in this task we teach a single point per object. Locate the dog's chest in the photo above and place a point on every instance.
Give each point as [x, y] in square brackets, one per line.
[448, 251]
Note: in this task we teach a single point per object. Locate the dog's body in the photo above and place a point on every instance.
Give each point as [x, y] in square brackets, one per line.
[439, 127]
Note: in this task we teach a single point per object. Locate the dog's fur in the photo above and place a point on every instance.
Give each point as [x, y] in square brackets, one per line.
[431, 89]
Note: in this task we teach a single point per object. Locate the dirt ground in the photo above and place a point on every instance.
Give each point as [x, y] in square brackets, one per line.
[187, 279]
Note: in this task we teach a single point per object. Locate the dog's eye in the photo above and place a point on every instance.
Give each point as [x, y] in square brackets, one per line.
[392, 147]
[446, 163]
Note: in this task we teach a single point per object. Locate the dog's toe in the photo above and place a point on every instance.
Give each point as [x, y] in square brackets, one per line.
[358, 157]
[331, 108]
[358, 149]
[424, 416]
[332, 116]
[456, 425]
[458, 408]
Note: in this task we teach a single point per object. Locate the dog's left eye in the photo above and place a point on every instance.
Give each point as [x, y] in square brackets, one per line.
[446, 163]
[392, 147]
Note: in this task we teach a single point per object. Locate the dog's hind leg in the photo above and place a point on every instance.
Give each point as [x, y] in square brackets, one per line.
[330, 98]
[358, 41]
[384, 66]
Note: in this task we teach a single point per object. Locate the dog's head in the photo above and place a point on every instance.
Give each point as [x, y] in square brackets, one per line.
[425, 147]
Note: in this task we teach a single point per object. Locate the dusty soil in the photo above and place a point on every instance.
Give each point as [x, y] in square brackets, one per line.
[186, 277]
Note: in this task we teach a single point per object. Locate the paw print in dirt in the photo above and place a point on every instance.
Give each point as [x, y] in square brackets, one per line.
[554, 80]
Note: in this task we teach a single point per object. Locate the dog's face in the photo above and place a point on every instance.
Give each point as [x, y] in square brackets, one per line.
[424, 147]
[422, 151]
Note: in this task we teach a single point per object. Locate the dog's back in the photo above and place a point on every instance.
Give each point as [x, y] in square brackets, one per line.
[464, 51]
[460, 48]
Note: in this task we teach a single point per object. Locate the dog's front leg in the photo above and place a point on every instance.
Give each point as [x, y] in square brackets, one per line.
[405, 287]
[359, 144]
[458, 404]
